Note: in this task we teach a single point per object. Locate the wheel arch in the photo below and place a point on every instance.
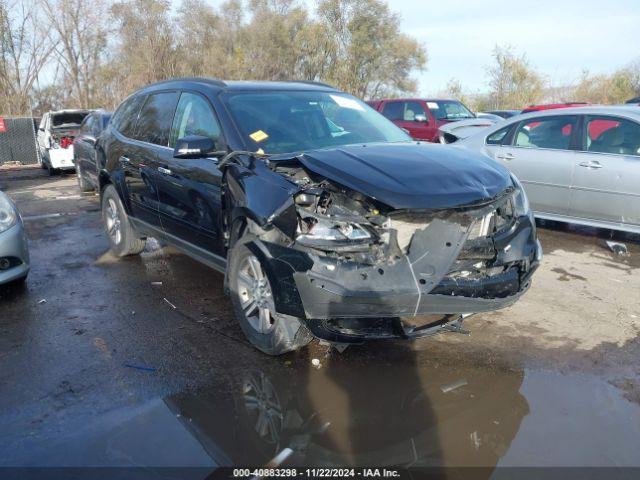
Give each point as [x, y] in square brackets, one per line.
[105, 179]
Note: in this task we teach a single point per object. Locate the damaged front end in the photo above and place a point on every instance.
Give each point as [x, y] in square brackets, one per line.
[357, 268]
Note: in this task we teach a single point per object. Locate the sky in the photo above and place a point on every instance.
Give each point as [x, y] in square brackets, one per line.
[561, 38]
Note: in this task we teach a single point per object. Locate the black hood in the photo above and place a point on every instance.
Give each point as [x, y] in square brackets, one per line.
[412, 175]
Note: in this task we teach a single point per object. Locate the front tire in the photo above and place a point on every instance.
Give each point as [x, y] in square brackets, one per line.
[267, 330]
[123, 239]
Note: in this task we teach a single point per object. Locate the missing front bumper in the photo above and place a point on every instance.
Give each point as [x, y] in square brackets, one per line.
[320, 289]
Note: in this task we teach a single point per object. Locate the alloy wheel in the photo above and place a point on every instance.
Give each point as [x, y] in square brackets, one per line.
[263, 407]
[256, 298]
[114, 225]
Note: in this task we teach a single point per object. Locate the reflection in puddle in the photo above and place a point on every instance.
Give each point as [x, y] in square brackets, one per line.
[384, 412]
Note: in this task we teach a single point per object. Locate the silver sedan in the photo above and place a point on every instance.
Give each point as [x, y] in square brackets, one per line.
[578, 165]
[14, 252]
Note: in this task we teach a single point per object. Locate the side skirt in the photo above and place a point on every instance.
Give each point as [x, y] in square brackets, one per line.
[201, 255]
[622, 227]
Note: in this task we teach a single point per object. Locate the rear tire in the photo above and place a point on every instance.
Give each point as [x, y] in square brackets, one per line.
[82, 183]
[123, 239]
[250, 290]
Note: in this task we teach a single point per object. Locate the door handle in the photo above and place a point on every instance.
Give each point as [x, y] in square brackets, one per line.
[506, 156]
[165, 171]
[591, 164]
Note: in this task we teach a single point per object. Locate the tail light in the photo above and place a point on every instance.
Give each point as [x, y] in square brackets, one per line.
[66, 142]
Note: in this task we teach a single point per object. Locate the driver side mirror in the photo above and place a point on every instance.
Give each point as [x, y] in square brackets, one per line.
[194, 146]
[421, 118]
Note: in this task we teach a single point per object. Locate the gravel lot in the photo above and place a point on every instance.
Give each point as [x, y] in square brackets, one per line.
[97, 367]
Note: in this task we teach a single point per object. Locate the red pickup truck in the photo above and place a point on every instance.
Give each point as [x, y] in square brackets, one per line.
[422, 117]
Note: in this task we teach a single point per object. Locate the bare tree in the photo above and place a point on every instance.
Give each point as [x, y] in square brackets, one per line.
[24, 52]
[79, 33]
[605, 89]
[370, 56]
[146, 50]
[633, 70]
[513, 82]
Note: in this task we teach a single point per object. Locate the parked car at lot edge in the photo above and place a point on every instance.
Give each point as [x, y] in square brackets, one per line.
[489, 116]
[325, 217]
[579, 165]
[422, 117]
[505, 113]
[14, 251]
[84, 149]
[552, 106]
[454, 131]
[56, 133]
[635, 100]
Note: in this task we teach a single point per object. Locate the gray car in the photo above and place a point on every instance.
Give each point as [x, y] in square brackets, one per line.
[578, 165]
[14, 252]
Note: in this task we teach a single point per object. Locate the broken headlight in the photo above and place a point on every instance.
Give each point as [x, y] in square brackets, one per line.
[322, 232]
[520, 200]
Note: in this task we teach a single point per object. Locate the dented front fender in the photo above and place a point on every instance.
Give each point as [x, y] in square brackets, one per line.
[257, 193]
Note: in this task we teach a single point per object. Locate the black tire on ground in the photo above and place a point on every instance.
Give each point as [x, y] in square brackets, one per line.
[285, 334]
[82, 182]
[122, 237]
[20, 281]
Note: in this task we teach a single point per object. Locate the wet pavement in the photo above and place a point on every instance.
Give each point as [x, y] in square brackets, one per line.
[138, 362]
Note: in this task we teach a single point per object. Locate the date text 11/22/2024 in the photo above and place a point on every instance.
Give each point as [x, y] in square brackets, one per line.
[315, 473]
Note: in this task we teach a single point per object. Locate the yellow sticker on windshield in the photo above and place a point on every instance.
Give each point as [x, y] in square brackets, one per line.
[259, 136]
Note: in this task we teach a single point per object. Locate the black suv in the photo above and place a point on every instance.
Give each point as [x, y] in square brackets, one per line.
[326, 218]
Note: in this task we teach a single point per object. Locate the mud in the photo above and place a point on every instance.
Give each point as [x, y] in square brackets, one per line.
[107, 373]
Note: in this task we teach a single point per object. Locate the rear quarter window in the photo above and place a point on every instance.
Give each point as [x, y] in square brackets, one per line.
[126, 116]
[499, 137]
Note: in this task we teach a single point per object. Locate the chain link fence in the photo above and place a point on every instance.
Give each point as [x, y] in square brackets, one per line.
[18, 140]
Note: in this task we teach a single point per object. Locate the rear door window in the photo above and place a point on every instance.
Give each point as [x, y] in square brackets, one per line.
[553, 132]
[393, 110]
[604, 134]
[403, 111]
[156, 116]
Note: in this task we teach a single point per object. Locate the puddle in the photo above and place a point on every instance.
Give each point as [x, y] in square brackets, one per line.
[358, 409]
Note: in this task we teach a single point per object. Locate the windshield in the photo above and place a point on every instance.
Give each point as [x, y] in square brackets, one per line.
[450, 110]
[67, 119]
[283, 122]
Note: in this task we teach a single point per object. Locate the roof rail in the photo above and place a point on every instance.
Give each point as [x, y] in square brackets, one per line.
[213, 81]
[311, 82]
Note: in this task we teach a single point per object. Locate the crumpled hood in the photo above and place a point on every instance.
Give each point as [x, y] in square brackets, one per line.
[412, 175]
